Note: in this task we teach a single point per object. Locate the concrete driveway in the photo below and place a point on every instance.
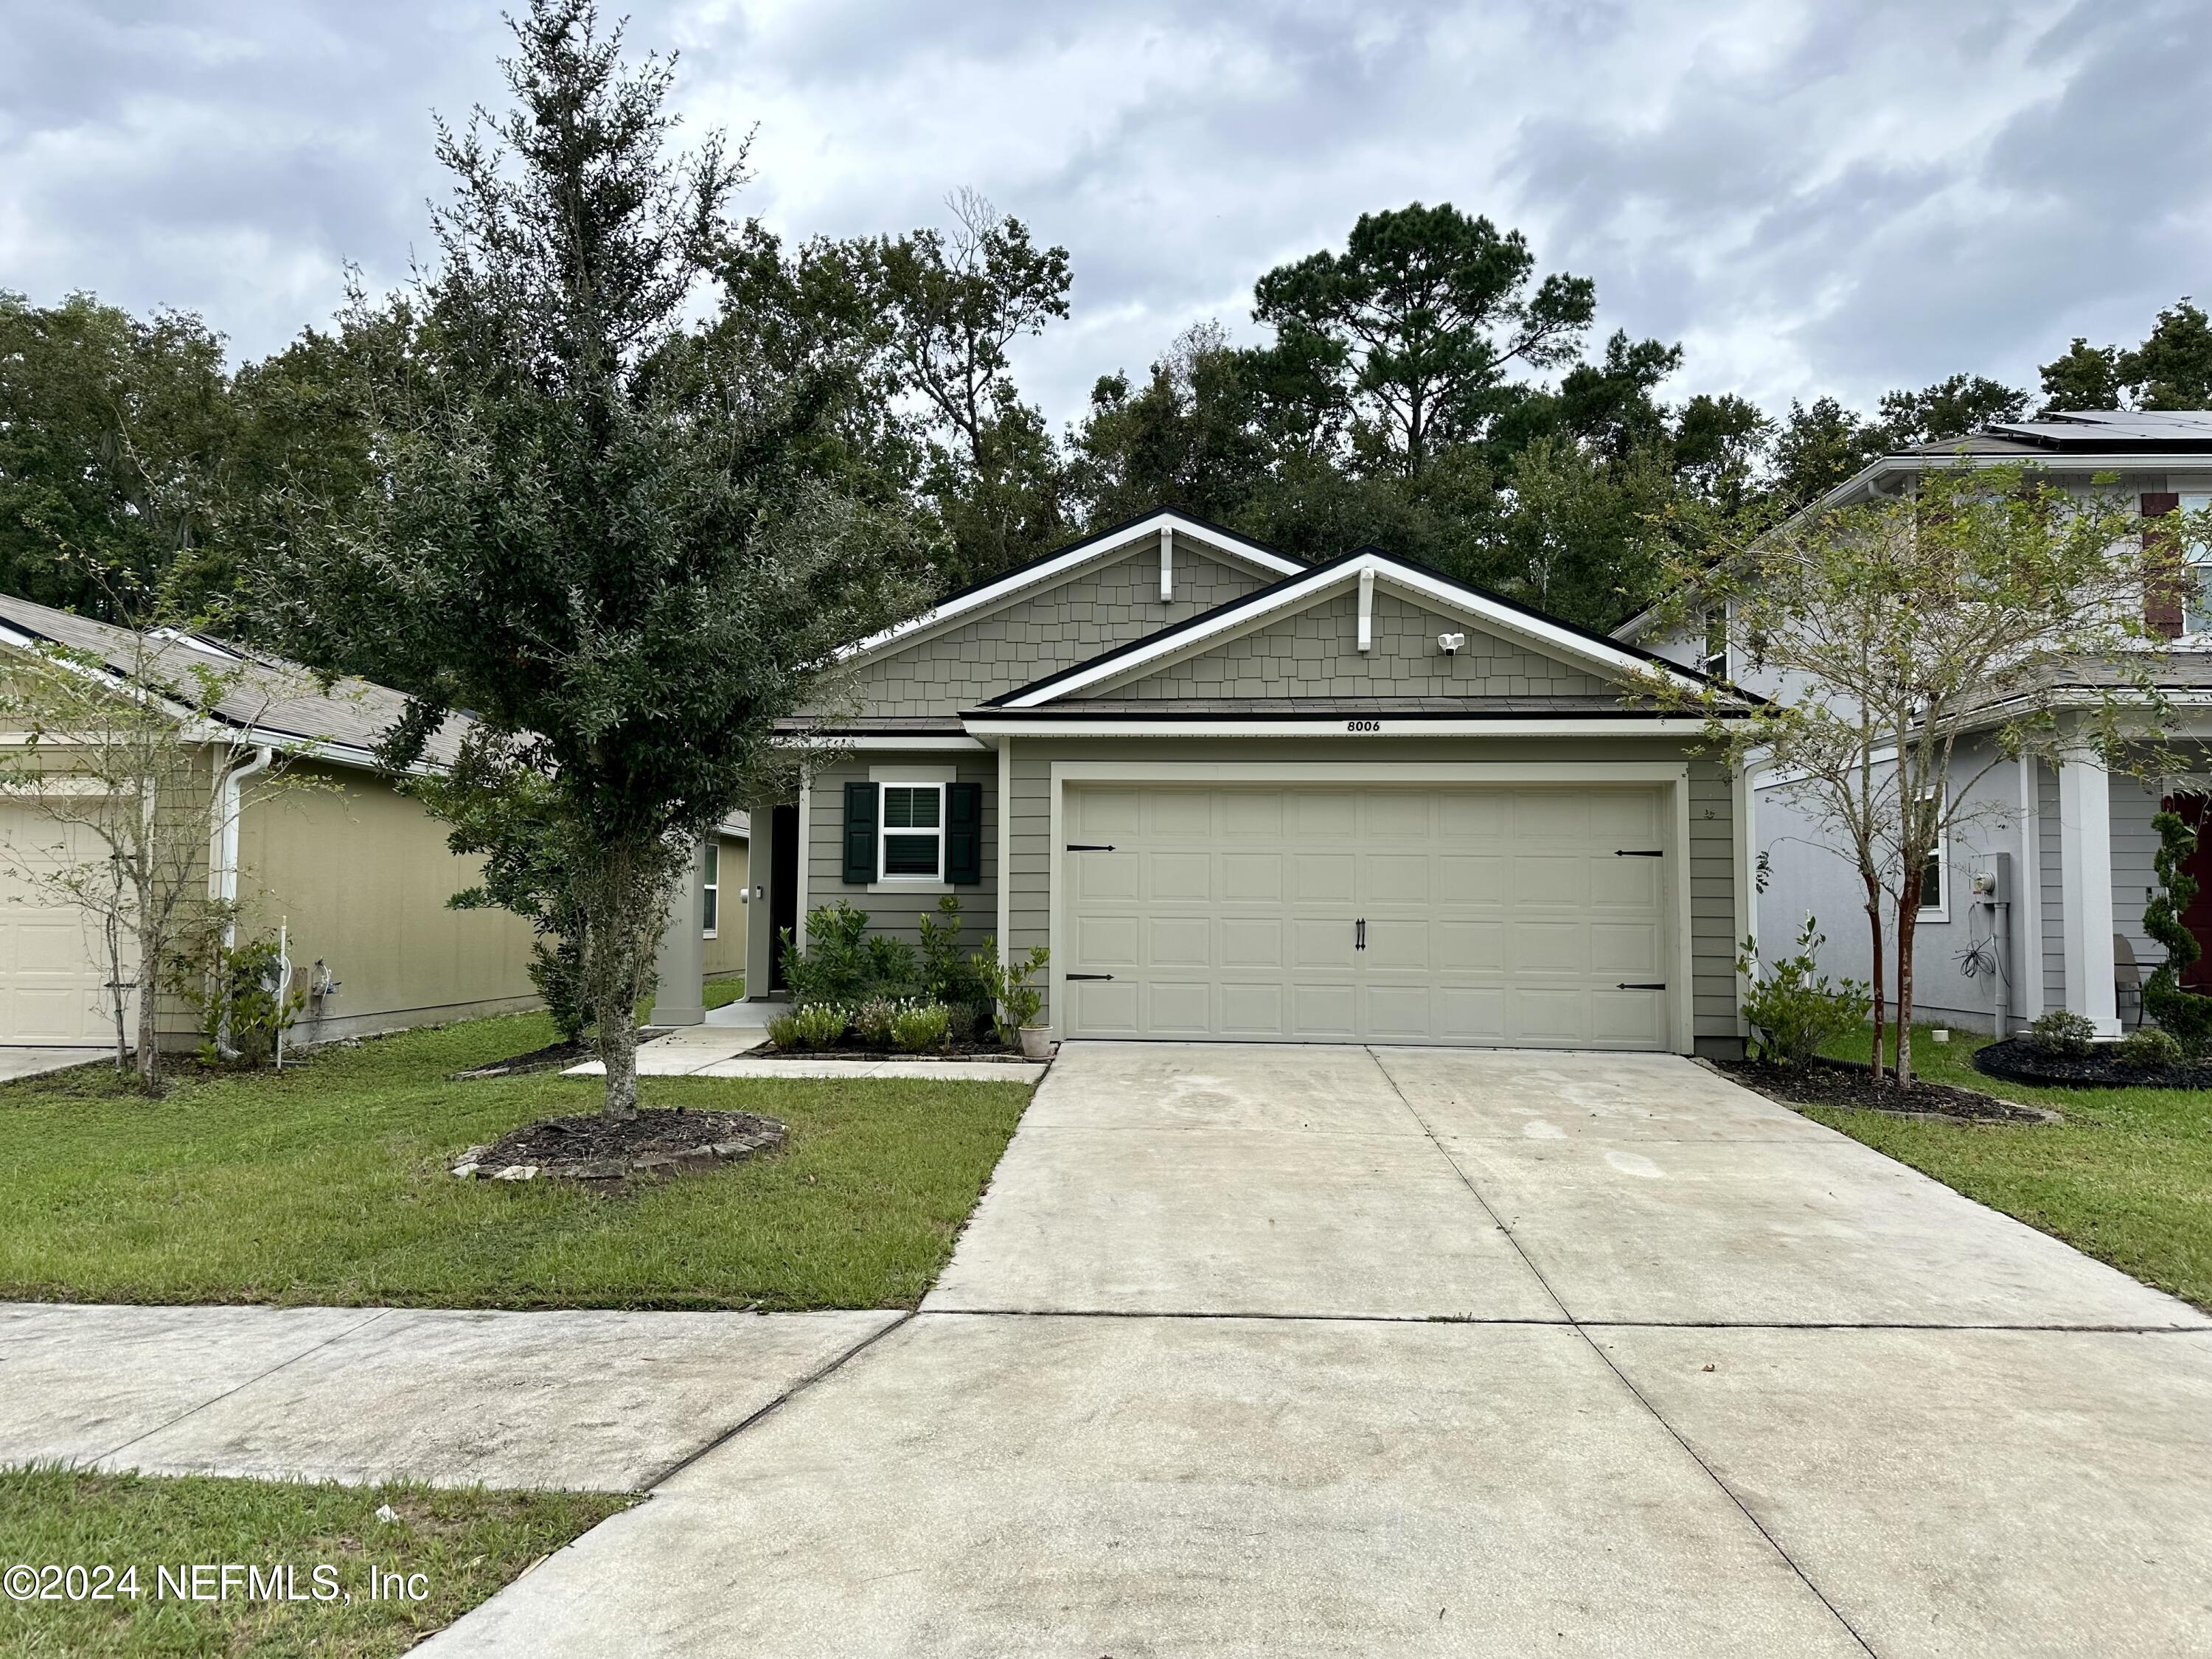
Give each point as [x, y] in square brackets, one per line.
[1341, 1351]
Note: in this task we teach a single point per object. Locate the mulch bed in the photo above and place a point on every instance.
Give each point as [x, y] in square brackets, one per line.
[592, 1147]
[1840, 1084]
[2021, 1061]
[560, 1054]
[973, 1048]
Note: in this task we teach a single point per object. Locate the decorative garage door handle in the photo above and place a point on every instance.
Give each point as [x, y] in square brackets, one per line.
[1089, 847]
[1087, 976]
[1623, 986]
[1359, 934]
[1639, 852]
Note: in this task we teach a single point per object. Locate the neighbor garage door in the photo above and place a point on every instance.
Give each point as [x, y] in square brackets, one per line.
[50, 981]
[1529, 916]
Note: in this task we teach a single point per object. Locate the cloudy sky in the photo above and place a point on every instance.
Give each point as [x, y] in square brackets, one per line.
[1825, 197]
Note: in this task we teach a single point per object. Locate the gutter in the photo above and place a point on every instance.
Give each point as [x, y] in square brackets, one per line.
[225, 864]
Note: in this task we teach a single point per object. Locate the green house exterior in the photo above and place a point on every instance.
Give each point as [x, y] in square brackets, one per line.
[1240, 798]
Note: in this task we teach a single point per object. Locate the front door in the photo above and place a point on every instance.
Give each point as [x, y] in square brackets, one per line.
[782, 887]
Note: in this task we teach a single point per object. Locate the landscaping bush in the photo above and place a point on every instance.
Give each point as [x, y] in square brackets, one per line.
[2147, 1048]
[244, 1003]
[947, 976]
[844, 963]
[1795, 1010]
[818, 1024]
[1007, 986]
[921, 1026]
[872, 1021]
[2061, 1031]
[2186, 1016]
[783, 1031]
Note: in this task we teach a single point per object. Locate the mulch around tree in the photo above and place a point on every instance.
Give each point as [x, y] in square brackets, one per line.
[592, 1147]
[1839, 1084]
[2018, 1061]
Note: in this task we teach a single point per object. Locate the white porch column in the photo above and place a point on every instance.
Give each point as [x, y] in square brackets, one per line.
[2027, 904]
[682, 962]
[2085, 864]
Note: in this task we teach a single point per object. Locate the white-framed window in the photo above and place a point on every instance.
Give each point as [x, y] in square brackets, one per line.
[714, 906]
[1936, 880]
[1715, 659]
[911, 831]
[2197, 602]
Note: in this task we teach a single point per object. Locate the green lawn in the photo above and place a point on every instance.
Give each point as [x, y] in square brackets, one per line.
[463, 1544]
[328, 1184]
[721, 993]
[2127, 1177]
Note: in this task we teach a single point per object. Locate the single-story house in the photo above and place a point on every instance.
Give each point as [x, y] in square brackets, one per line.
[356, 874]
[1240, 798]
[2036, 899]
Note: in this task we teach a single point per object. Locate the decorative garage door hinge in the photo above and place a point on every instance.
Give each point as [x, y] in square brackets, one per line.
[1087, 975]
[1089, 847]
[1623, 986]
[1639, 852]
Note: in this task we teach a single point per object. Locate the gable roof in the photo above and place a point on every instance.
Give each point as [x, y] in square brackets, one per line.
[1051, 567]
[1548, 635]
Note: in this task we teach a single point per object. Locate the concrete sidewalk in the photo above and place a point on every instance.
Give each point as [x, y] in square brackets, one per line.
[1326, 1351]
[588, 1401]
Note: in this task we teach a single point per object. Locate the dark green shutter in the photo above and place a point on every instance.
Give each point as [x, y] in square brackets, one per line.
[963, 833]
[860, 806]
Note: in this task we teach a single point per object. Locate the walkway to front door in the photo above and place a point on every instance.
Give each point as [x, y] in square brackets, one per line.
[1331, 1350]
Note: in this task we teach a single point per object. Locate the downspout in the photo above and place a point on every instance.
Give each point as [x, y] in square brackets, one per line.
[226, 868]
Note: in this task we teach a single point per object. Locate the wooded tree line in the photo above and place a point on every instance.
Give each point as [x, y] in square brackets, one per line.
[1425, 388]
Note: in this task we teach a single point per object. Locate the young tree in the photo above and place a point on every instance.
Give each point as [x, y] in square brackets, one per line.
[604, 535]
[135, 743]
[1898, 629]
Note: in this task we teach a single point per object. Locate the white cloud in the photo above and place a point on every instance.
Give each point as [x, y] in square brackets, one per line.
[1811, 197]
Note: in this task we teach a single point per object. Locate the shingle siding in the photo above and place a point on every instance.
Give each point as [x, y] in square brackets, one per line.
[1315, 652]
[895, 912]
[1101, 608]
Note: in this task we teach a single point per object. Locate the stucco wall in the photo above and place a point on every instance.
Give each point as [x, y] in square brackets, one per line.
[360, 875]
[1103, 606]
[1315, 652]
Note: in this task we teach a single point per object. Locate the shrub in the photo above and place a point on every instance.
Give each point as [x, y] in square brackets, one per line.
[2185, 1015]
[921, 1026]
[1007, 986]
[2061, 1031]
[843, 963]
[818, 1024]
[946, 976]
[2147, 1048]
[783, 1031]
[962, 1019]
[872, 1021]
[1794, 1010]
[243, 996]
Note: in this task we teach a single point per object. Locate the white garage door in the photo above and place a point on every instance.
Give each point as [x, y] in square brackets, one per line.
[52, 982]
[1525, 916]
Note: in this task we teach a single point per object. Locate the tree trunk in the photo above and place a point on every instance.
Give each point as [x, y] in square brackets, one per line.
[1908, 917]
[149, 1053]
[617, 1044]
[1874, 930]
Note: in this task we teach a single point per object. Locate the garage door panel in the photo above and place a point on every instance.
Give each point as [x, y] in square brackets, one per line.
[1252, 878]
[1493, 915]
[1251, 942]
[53, 973]
[1108, 942]
[1324, 879]
[1322, 1012]
[1178, 942]
[1254, 1010]
[1324, 944]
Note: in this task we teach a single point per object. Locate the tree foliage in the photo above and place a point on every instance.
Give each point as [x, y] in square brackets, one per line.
[2186, 1014]
[605, 536]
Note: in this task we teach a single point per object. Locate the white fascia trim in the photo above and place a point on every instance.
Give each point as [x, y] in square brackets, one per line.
[984, 598]
[845, 745]
[1384, 726]
[1293, 772]
[1364, 570]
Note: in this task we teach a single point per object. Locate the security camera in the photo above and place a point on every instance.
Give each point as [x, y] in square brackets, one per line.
[1449, 643]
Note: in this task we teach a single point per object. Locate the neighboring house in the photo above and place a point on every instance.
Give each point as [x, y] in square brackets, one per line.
[2070, 846]
[1242, 798]
[356, 874]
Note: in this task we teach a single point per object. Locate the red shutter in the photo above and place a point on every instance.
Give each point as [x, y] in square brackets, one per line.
[2162, 609]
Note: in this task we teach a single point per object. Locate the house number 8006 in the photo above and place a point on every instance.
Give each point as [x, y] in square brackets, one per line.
[1363, 726]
